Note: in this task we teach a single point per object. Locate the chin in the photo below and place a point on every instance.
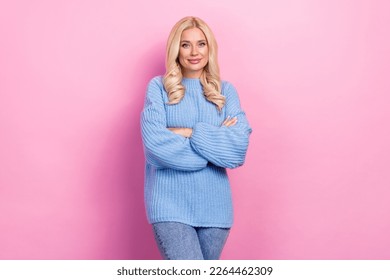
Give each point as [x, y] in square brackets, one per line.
[198, 68]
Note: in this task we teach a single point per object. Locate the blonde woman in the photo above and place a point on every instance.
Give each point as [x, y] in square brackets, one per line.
[193, 128]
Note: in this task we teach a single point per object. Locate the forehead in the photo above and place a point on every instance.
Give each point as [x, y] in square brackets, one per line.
[192, 34]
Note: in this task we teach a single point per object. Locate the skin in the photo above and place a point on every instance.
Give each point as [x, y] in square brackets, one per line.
[193, 53]
[193, 57]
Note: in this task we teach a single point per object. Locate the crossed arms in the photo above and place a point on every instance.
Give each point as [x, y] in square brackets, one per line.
[191, 149]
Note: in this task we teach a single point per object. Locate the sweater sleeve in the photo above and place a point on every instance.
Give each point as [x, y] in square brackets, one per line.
[162, 147]
[221, 145]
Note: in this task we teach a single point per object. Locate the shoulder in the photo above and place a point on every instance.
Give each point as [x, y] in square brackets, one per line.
[156, 84]
[155, 89]
[228, 89]
[225, 84]
[156, 81]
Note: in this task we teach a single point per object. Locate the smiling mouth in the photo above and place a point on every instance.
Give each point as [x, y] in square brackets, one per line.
[194, 61]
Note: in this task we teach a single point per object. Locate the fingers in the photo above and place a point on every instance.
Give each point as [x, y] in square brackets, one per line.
[230, 121]
[183, 131]
[226, 120]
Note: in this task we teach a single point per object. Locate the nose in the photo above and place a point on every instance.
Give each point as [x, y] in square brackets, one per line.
[194, 51]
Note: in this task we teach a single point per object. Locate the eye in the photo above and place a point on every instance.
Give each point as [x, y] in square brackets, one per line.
[202, 44]
[185, 45]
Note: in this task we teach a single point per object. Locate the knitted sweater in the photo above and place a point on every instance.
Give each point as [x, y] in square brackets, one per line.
[185, 178]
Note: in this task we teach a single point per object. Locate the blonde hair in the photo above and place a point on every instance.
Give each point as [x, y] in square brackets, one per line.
[209, 78]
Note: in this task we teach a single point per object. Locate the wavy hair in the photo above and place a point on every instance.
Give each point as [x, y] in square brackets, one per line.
[210, 78]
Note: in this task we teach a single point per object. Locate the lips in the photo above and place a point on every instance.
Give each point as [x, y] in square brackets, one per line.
[194, 61]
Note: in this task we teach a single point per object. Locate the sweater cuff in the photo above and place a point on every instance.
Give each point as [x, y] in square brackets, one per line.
[198, 133]
[201, 138]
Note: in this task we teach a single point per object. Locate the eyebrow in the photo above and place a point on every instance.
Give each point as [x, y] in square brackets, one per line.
[186, 41]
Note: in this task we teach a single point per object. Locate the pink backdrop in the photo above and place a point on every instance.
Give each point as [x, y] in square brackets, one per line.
[313, 77]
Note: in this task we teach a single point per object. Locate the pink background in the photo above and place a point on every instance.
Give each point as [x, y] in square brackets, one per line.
[313, 77]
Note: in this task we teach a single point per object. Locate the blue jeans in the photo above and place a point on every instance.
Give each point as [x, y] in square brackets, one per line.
[177, 241]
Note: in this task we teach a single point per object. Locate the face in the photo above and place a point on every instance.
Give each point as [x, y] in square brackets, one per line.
[194, 52]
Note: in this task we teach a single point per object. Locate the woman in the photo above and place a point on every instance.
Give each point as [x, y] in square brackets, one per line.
[192, 129]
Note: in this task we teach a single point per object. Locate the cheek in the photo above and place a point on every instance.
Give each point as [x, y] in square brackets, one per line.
[206, 55]
[181, 58]
[205, 52]
[182, 54]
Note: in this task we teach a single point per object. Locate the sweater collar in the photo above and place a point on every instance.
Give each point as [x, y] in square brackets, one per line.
[191, 83]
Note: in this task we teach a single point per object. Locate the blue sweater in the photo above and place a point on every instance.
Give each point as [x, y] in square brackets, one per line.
[185, 178]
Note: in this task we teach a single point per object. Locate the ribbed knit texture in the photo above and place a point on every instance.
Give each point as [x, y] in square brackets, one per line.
[185, 178]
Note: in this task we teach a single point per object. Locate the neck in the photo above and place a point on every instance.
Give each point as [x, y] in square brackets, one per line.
[192, 75]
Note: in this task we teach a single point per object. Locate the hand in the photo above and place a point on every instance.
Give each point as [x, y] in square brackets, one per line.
[229, 121]
[183, 131]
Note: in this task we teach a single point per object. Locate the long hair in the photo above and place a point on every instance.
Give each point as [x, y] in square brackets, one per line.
[210, 78]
